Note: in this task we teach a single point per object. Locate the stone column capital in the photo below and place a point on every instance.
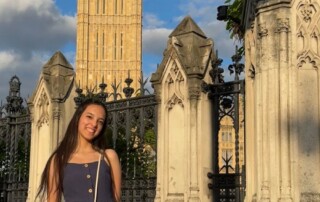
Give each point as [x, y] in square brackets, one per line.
[194, 87]
[56, 113]
[283, 25]
[194, 92]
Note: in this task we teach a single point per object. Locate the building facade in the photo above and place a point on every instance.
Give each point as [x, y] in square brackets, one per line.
[108, 42]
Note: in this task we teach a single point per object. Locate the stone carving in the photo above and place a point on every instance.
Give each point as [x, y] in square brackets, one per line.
[307, 10]
[262, 30]
[56, 113]
[300, 40]
[174, 55]
[315, 46]
[175, 69]
[169, 79]
[283, 25]
[308, 44]
[175, 85]
[43, 104]
[307, 59]
[194, 93]
[173, 101]
[175, 41]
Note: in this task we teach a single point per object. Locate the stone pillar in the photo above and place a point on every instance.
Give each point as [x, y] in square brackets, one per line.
[283, 30]
[51, 107]
[194, 95]
[184, 155]
[282, 100]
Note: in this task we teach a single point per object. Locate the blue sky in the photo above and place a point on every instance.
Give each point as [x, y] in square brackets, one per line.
[33, 30]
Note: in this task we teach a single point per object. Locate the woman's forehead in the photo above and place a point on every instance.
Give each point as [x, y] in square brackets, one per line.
[96, 110]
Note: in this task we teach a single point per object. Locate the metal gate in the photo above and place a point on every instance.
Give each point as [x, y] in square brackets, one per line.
[14, 146]
[228, 147]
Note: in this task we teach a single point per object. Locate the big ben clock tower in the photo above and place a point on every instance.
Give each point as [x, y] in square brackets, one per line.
[108, 42]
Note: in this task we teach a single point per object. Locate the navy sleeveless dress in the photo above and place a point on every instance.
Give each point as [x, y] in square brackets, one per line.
[79, 182]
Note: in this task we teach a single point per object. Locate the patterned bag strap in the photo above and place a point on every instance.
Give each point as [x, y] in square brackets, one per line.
[97, 179]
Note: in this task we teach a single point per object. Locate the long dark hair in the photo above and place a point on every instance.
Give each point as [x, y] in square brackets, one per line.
[67, 146]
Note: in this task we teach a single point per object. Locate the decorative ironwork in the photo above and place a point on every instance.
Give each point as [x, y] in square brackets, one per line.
[15, 129]
[14, 101]
[228, 178]
[132, 133]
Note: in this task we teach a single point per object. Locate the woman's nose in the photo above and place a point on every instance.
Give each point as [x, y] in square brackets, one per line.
[94, 123]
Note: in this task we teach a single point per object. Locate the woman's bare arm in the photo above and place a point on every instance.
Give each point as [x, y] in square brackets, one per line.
[53, 183]
[115, 172]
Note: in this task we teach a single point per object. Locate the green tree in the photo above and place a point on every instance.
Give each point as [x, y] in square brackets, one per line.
[235, 12]
[234, 21]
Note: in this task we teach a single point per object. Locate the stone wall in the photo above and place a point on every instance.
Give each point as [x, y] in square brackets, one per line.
[282, 50]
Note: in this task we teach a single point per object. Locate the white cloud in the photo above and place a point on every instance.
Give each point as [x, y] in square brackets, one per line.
[23, 5]
[34, 25]
[155, 40]
[31, 31]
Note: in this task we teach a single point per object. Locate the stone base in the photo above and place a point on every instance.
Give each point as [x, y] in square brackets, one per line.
[310, 197]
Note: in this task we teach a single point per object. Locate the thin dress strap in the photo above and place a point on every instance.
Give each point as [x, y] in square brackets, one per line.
[97, 179]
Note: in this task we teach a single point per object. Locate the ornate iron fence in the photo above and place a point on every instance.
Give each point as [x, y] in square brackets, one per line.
[228, 176]
[14, 146]
[132, 133]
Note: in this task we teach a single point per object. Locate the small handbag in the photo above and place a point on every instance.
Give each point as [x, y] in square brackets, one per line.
[97, 179]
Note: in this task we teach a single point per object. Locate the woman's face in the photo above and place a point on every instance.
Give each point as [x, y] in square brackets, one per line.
[91, 122]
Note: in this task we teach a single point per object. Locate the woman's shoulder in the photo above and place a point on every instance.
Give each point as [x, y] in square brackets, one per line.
[112, 154]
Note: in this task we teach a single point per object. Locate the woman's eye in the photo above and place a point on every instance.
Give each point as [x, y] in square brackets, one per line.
[101, 122]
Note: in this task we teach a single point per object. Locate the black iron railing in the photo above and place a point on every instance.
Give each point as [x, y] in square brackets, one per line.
[15, 129]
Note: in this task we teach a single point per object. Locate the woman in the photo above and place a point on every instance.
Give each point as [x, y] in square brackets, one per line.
[72, 168]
